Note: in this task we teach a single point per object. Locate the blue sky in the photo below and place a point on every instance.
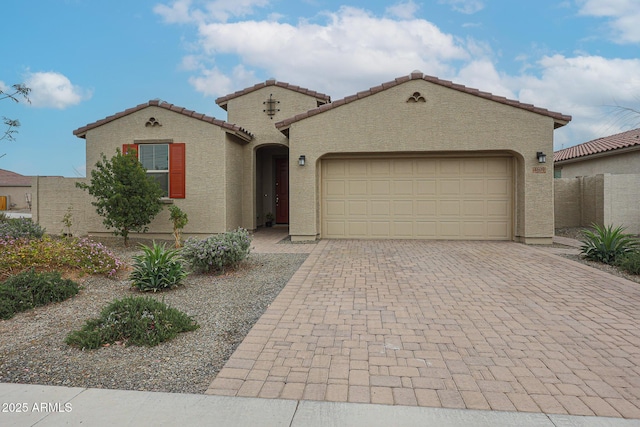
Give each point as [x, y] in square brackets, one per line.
[88, 59]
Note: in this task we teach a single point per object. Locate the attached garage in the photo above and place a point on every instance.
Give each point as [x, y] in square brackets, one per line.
[422, 158]
[417, 197]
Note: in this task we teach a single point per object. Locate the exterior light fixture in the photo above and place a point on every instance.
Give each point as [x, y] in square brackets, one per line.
[301, 160]
[542, 158]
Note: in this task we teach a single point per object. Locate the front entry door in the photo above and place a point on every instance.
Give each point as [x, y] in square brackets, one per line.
[282, 191]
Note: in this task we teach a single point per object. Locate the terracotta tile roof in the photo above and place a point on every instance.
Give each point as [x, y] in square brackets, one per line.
[560, 119]
[222, 101]
[626, 139]
[242, 133]
[12, 179]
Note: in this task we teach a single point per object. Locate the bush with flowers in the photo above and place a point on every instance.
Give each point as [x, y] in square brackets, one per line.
[49, 253]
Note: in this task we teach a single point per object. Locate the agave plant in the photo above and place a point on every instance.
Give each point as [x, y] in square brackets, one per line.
[157, 268]
[607, 244]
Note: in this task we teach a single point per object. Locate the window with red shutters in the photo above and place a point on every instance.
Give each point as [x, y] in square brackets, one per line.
[164, 162]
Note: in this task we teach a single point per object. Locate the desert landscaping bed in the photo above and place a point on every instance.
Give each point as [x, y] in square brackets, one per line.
[32, 348]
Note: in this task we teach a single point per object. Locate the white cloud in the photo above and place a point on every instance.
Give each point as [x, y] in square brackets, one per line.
[181, 11]
[351, 47]
[352, 50]
[468, 7]
[585, 87]
[214, 83]
[624, 17]
[404, 10]
[53, 90]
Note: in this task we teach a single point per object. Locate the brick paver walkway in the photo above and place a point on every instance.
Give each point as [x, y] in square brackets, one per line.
[481, 325]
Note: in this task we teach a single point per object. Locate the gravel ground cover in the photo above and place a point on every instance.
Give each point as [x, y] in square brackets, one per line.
[32, 348]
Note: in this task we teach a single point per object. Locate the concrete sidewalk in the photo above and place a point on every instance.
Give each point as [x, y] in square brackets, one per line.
[62, 406]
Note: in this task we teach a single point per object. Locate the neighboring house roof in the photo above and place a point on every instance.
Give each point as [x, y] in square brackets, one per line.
[608, 145]
[12, 179]
[231, 128]
[223, 100]
[560, 119]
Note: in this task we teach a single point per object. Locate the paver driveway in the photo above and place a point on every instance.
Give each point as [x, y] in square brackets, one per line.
[482, 325]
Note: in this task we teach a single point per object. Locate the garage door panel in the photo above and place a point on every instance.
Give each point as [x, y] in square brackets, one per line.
[473, 229]
[357, 208]
[380, 207]
[402, 229]
[335, 228]
[473, 186]
[498, 187]
[335, 188]
[335, 207]
[380, 167]
[473, 208]
[357, 188]
[380, 187]
[403, 167]
[380, 229]
[449, 167]
[403, 208]
[357, 228]
[450, 187]
[426, 229]
[426, 208]
[449, 229]
[497, 230]
[498, 208]
[357, 168]
[424, 198]
[449, 207]
[426, 187]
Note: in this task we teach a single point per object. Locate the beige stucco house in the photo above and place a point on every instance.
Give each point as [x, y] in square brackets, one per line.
[599, 182]
[414, 158]
[15, 191]
[614, 154]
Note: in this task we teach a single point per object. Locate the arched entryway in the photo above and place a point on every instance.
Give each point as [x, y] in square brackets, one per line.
[272, 185]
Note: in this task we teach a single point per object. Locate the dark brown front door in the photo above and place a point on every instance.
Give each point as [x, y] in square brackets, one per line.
[282, 191]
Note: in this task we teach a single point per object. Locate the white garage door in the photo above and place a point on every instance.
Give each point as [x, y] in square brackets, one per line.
[418, 198]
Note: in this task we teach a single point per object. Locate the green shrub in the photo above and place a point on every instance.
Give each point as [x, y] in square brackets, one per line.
[30, 289]
[141, 321]
[630, 262]
[18, 228]
[157, 268]
[607, 244]
[217, 252]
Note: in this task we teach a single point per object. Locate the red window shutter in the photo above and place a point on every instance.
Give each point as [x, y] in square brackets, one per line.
[130, 148]
[177, 171]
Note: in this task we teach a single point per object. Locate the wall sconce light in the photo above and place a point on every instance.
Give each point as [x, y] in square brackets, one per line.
[542, 158]
[301, 160]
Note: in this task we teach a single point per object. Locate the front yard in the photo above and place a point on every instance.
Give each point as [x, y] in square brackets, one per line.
[33, 351]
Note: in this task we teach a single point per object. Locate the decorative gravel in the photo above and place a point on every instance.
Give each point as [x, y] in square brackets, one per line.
[32, 348]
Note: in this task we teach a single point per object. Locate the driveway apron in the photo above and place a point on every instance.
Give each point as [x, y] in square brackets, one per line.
[479, 325]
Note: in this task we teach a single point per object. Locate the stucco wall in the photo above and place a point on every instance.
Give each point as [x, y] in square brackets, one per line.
[53, 197]
[623, 163]
[604, 199]
[448, 122]
[622, 201]
[567, 199]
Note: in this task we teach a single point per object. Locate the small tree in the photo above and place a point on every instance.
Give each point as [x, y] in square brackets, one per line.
[179, 220]
[126, 197]
[17, 91]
